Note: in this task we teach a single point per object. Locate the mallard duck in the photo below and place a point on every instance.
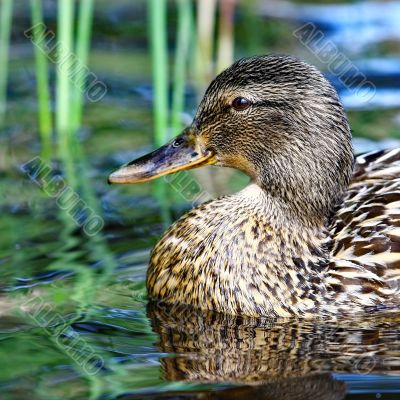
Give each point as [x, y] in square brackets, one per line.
[314, 233]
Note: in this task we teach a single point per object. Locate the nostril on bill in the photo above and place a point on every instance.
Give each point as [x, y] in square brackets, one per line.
[177, 142]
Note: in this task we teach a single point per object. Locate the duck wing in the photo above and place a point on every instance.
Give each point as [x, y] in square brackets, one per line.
[366, 233]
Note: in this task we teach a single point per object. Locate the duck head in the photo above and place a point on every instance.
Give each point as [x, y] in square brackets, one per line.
[275, 118]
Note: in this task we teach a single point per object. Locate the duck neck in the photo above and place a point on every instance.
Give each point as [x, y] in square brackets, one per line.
[297, 235]
[288, 211]
[291, 203]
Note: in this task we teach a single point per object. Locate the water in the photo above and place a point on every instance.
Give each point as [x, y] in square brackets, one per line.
[74, 319]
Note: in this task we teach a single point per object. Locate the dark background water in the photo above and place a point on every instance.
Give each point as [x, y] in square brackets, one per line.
[74, 319]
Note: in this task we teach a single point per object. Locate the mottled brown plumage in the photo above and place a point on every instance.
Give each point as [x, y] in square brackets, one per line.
[298, 240]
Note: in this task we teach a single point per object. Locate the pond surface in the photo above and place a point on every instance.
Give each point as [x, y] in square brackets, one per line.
[74, 319]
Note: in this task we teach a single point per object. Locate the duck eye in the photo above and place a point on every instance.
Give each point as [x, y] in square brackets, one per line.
[241, 103]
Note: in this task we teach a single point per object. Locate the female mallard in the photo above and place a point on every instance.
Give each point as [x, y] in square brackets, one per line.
[281, 246]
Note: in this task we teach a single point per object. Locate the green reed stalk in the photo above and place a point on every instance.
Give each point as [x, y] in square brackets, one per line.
[158, 36]
[181, 57]
[70, 88]
[65, 23]
[42, 73]
[6, 7]
[85, 19]
[158, 16]
[206, 11]
[225, 34]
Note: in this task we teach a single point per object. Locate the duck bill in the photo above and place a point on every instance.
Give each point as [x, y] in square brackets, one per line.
[180, 154]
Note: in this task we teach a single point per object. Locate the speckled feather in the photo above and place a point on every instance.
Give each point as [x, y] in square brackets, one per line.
[282, 246]
[225, 256]
[365, 259]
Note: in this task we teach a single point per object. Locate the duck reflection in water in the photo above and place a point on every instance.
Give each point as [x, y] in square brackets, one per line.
[272, 358]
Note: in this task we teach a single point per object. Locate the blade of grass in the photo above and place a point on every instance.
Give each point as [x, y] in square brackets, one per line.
[6, 7]
[85, 19]
[181, 57]
[65, 22]
[42, 73]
